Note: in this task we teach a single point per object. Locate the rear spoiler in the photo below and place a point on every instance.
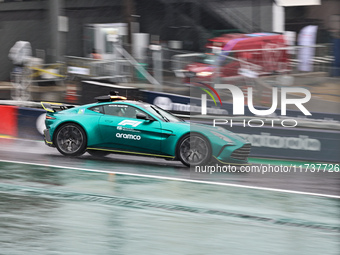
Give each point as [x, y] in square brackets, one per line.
[55, 107]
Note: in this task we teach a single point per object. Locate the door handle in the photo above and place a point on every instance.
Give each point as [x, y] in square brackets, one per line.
[108, 121]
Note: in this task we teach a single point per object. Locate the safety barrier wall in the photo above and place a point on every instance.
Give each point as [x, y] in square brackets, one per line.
[318, 143]
[315, 144]
[31, 123]
[21, 122]
[291, 143]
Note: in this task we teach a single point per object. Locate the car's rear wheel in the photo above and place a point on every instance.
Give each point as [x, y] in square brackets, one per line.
[98, 153]
[70, 140]
[193, 150]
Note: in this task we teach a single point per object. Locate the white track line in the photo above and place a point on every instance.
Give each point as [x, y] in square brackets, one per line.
[175, 179]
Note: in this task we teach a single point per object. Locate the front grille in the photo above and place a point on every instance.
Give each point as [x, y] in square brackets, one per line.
[241, 153]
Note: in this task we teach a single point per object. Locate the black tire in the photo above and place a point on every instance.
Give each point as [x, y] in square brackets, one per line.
[98, 153]
[70, 140]
[194, 150]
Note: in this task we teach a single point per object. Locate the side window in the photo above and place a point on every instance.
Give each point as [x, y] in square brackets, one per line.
[114, 109]
[121, 110]
[97, 109]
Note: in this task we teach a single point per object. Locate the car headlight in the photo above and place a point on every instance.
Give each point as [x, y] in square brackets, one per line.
[204, 74]
[223, 137]
[232, 134]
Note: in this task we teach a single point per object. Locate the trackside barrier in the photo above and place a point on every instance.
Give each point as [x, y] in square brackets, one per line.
[187, 105]
[291, 143]
[31, 123]
[309, 141]
[20, 122]
[314, 144]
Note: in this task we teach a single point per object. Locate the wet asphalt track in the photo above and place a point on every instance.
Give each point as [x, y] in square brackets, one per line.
[56, 205]
[36, 152]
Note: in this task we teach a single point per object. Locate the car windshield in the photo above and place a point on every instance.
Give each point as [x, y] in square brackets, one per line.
[162, 114]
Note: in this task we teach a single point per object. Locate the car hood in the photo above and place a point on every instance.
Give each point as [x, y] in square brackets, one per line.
[208, 131]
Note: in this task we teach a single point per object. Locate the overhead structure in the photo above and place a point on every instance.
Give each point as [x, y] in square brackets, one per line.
[287, 3]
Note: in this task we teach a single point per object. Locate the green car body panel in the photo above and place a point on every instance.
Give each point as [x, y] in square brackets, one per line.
[146, 137]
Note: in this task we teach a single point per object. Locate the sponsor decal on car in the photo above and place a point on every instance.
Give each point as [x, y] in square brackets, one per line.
[128, 136]
[81, 111]
[130, 123]
[127, 129]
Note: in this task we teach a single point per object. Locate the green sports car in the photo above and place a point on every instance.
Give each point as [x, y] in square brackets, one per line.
[117, 125]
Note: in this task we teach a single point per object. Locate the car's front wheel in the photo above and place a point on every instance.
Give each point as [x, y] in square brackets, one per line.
[193, 150]
[70, 140]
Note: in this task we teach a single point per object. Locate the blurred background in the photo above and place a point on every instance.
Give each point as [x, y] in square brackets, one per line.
[163, 52]
[117, 41]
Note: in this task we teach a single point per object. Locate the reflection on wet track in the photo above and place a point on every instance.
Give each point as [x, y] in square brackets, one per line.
[60, 210]
[35, 152]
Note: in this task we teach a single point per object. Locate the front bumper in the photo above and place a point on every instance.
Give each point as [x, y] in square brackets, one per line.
[47, 138]
[239, 155]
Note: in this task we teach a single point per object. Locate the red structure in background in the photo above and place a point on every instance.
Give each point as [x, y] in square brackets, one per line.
[9, 119]
[235, 54]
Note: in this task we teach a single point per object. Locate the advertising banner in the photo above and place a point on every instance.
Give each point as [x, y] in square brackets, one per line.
[266, 140]
[186, 105]
[297, 143]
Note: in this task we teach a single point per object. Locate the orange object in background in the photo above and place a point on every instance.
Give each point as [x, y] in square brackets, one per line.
[71, 95]
[9, 120]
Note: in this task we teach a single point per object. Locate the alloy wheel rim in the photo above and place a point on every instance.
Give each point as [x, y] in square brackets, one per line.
[194, 150]
[70, 139]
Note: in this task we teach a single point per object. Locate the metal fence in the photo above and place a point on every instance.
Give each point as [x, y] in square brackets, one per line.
[169, 67]
[166, 69]
[322, 57]
[87, 68]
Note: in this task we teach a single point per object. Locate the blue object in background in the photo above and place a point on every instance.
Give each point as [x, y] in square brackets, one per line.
[31, 123]
[336, 65]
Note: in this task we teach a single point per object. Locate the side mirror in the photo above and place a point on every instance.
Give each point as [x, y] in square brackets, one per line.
[143, 116]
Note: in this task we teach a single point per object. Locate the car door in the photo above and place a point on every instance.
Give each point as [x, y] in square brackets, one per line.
[120, 129]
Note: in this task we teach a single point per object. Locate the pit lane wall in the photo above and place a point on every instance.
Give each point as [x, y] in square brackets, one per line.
[22, 122]
[315, 143]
